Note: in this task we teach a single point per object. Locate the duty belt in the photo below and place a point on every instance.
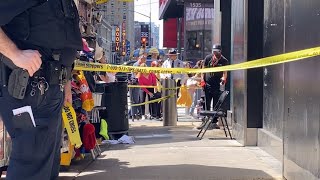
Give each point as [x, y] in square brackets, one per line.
[17, 80]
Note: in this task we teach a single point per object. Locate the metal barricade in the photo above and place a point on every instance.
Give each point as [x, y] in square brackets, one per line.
[170, 116]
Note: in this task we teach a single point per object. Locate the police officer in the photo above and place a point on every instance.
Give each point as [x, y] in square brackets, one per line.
[41, 38]
[173, 62]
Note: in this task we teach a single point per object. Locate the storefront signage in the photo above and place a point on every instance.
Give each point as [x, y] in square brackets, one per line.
[128, 48]
[162, 6]
[117, 39]
[199, 13]
[199, 16]
[123, 39]
[195, 5]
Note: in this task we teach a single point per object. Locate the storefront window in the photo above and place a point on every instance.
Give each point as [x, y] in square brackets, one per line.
[198, 30]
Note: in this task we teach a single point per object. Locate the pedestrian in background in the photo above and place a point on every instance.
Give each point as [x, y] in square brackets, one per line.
[107, 77]
[154, 54]
[136, 111]
[195, 89]
[148, 79]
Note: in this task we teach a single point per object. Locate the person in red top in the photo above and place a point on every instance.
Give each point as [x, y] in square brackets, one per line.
[148, 79]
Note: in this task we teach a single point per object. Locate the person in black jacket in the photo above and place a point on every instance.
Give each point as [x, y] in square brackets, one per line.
[40, 38]
[214, 80]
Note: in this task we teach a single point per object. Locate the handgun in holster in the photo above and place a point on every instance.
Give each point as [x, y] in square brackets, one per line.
[15, 78]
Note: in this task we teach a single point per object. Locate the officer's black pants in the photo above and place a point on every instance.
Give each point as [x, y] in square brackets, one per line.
[35, 151]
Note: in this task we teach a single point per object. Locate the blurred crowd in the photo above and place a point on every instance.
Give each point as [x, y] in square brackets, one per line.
[141, 95]
[203, 88]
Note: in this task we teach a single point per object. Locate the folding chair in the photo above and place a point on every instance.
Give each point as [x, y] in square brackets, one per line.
[217, 112]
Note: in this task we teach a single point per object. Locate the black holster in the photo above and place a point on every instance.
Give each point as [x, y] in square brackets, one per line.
[14, 78]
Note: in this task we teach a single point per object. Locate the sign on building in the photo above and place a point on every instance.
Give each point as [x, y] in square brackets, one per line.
[117, 39]
[128, 48]
[124, 48]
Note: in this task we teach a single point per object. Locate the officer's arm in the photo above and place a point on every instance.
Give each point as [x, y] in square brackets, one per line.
[7, 47]
[225, 73]
[29, 60]
[203, 67]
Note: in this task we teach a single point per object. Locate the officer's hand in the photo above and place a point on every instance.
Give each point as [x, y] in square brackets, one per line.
[223, 80]
[29, 60]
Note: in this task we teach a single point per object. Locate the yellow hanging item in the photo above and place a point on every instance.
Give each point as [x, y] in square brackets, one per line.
[70, 123]
[86, 94]
[185, 99]
[104, 129]
[66, 157]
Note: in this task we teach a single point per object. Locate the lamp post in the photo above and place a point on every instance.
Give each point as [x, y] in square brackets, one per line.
[150, 27]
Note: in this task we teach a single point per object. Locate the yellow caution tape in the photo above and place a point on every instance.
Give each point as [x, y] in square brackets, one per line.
[138, 86]
[105, 1]
[153, 101]
[70, 123]
[268, 61]
[101, 1]
[161, 87]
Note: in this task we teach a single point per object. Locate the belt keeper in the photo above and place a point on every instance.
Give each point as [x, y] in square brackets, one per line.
[56, 56]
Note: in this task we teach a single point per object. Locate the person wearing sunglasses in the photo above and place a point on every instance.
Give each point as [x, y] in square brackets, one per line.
[212, 81]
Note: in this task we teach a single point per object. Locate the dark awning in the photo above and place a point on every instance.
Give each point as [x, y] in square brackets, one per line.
[170, 9]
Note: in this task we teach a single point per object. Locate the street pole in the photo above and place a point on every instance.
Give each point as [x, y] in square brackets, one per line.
[179, 38]
[150, 27]
[149, 38]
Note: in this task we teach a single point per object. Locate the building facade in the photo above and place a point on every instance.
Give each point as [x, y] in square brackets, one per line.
[276, 107]
[121, 14]
[155, 35]
[104, 38]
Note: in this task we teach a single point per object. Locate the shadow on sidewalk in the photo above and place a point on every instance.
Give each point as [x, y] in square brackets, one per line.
[115, 170]
[173, 136]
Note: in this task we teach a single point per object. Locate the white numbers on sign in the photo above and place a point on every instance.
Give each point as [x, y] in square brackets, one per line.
[195, 5]
[144, 34]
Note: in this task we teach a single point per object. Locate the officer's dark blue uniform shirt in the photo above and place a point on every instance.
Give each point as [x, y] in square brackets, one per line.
[40, 24]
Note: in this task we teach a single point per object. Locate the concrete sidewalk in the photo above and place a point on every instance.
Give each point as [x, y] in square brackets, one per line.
[173, 153]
